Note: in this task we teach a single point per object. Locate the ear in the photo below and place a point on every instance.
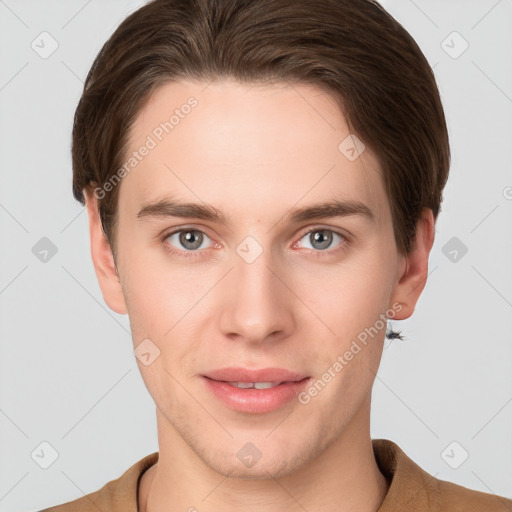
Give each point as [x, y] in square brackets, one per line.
[414, 267]
[103, 259]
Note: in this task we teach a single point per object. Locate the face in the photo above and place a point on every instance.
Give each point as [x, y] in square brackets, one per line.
[271, 282]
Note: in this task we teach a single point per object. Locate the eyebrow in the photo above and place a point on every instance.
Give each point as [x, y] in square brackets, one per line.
[326, 209]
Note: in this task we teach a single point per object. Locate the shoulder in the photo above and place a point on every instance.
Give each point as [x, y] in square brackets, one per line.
[118, 495]
[453, 497]
[87, 503]
[411, 487]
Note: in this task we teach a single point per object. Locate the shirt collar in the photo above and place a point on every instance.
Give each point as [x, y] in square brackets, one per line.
[410, 487]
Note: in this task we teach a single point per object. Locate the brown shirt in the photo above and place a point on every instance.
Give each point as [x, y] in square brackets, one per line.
[411, 489]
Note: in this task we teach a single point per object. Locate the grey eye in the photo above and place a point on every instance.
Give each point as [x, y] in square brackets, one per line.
[321, 239]
[188, 239]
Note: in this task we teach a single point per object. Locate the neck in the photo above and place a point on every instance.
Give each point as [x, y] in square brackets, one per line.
[343, 476]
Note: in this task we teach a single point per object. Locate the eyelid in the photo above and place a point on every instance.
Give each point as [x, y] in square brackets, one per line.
[345, 238]
[336, 230]
[311, 229]
[179, 229]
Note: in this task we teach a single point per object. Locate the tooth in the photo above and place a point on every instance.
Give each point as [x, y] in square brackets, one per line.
[257, 385]
[243, 385]
[266, 385]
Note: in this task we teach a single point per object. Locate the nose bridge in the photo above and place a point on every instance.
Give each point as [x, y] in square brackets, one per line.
[257, 303]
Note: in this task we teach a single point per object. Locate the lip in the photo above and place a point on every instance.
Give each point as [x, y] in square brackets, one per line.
[240, 374]
[255, 401]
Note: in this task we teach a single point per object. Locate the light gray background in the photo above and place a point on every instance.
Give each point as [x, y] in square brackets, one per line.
[68, 375]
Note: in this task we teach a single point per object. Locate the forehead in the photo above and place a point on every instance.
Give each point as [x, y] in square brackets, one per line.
[283, 144]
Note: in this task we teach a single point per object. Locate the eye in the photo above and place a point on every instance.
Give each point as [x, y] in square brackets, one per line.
[322, 239]
[186, 240]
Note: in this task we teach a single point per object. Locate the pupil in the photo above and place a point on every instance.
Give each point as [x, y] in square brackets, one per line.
[319, 236]
[187, 237]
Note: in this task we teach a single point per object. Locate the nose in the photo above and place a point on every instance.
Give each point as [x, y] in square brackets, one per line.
[256, 305]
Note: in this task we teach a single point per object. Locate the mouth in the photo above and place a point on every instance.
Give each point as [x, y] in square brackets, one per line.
[257, 385]
[254, 385]
[256, 396]
[263, 376]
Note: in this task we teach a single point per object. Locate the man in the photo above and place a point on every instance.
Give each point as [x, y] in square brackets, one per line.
[262, 180]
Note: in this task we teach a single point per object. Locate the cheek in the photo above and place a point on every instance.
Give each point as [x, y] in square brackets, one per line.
[165, 305]
[157, 293]
[347, 297]
[350, 358]
[353, 309]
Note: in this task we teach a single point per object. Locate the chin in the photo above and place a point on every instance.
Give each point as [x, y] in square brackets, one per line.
[262, 470]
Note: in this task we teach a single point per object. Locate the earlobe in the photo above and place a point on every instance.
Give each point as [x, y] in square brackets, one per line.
[414, 270]
[103, 259]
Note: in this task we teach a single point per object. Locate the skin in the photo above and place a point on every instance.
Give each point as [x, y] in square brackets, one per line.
[255, 153]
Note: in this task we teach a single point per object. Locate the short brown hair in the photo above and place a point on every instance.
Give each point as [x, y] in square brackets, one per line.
[353, 49]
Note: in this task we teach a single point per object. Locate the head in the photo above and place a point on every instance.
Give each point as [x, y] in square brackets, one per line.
[268, 115]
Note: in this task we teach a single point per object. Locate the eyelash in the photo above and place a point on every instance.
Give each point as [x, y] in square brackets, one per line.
[198, 253]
